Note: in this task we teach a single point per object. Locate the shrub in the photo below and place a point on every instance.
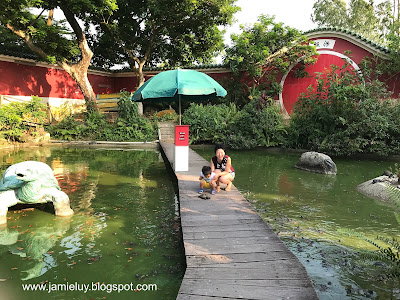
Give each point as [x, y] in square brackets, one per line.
[209, 123]
[68, 129]
[166, 115]
[13, 118]
[259, 123]
[345, 115]
[129, 126]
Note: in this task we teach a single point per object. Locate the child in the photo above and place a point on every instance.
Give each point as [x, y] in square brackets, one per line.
[207, 180]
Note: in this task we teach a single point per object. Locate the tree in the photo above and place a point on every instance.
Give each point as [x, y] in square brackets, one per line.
[265, 50]
[52, 40]
[330, 13]
[361, 16]
[379, 23]
[171, 32]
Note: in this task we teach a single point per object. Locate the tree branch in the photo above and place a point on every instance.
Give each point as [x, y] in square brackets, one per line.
[120, 43]
[87, 54]
[37, 17]
[50, 17]
[27, 38]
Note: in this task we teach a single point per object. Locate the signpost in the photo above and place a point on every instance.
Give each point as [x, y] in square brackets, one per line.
[181, 153]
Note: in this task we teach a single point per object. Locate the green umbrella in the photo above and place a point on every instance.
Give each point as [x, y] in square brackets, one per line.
[173, 84]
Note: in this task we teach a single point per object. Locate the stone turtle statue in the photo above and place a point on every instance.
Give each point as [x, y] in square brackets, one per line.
[316, 162]
[31, 182]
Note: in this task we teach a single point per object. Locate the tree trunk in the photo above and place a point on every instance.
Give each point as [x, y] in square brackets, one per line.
[140, 74]
[50, 17]
[79, 74]
[79, 71]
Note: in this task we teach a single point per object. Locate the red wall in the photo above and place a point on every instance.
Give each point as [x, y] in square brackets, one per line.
[293, 87]
[25, 80]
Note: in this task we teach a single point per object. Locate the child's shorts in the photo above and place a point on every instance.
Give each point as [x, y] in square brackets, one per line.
[207, 185]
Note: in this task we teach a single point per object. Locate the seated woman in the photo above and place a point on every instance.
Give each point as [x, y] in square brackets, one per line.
[221, 165]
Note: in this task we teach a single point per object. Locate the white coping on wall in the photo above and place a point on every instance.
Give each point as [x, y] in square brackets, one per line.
[32, 62]
[348, 37]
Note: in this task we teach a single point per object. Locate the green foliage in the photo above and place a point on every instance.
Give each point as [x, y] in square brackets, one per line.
[128, 110]
[378, 22]
[264, 50]
[388, 253]
[395, 169]
[14, 115]
[345, 114]
[361, 16]
[209, 123]
[68, 129]
[129, 126]
[165, 115]
[147, 33]
[259, 123]
[237, 92]
[52, 40]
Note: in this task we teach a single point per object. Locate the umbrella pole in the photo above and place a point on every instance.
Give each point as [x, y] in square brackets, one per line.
[180, 122]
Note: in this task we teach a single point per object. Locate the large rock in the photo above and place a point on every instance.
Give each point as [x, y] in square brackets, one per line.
[377, 188]
[316, 162]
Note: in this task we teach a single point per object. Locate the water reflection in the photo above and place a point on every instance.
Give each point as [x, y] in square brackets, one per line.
[33, 243]
[124, 228]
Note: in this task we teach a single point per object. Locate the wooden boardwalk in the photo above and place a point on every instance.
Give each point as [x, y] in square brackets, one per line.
[231, 253]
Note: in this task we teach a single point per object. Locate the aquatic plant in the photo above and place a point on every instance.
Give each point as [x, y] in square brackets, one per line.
[388, 249]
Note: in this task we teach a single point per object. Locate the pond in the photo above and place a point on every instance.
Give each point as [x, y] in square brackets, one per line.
[125, 230]
[312, 214]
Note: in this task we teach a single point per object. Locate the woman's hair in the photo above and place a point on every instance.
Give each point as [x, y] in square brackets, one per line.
[219, 146]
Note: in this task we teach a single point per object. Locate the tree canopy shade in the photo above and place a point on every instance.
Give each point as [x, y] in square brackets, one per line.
[171, 32]
[52, 40]
[266, 49]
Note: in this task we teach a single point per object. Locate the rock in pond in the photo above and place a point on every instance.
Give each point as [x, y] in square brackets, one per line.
[377, 188]
[316, 162]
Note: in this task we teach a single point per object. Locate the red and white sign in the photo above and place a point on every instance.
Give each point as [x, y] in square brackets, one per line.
[181, 155]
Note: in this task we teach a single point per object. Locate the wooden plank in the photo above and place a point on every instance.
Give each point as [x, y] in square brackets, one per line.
[100, 101]
[197, 297]
[107, 96]
[234, 241]
[224, 234]
[277, 270]
[232, 258]
[220, 222]
[302, 283]
[208, 247]
[239, 226]
[239, 291]
[107, 105]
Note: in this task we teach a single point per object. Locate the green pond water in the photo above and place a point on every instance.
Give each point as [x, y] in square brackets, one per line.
[309, 211]
[124, 232]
